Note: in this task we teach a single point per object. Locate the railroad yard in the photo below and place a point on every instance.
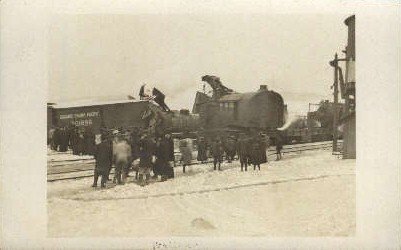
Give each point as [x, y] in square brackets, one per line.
[281, 199]
[184, 165]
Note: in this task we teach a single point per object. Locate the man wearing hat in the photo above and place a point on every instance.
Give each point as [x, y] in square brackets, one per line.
[171, 159]
[104, 158]
[202, 150]
[146, 155]
[230, 148]
[217, 152]
[243, 151]
[279, 145]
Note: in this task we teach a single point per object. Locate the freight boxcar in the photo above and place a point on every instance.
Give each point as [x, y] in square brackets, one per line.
[118, 114]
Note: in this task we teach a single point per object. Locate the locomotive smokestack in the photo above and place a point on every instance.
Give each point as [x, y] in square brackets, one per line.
[263, 87]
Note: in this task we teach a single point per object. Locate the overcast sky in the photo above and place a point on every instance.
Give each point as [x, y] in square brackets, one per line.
[110, 56]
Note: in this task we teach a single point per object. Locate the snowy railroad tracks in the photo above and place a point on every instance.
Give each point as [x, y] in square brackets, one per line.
[70, 169]
[67, 166]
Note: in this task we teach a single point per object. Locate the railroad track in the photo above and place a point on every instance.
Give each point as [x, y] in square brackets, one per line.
[82, 168]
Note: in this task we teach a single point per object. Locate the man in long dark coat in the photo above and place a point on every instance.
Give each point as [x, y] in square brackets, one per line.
[89, 140]
[263, 148]
[279, 146]
[51, 138]
[229, 148]
[171, 158]
[104, 158]
[80, 143]
[63, 140]
[147, 150]
[69, 135]
[243, 152]
[74, 140]
[163, 156]
[255, 153]
[217, 153]
[160, 159]
[202, 150]
[134, 143]
[56, 138]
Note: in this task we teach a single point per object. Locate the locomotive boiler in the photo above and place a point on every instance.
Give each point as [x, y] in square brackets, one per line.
[227, 111]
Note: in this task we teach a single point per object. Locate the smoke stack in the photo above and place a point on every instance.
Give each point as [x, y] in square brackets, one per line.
[263, 87]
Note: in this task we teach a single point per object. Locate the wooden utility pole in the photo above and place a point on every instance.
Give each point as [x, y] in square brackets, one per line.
[335, 134]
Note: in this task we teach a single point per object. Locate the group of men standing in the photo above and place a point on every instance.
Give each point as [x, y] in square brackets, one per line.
[251, 150]
[137, 151]
[80, 141]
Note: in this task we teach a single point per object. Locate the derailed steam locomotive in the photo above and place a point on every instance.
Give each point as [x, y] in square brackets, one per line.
[228, 112]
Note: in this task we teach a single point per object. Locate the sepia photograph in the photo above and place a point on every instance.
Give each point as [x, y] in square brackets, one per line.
[201, 125]
[186, 124]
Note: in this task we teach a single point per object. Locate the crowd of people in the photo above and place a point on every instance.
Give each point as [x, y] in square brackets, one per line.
[251, 150]
[141, 152]
[80, 140]
[136, 150]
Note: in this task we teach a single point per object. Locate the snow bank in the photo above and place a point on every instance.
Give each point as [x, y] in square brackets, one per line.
[311, 194]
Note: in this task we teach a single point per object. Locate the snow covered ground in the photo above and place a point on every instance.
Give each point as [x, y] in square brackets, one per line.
[54, 156]
[306, 194]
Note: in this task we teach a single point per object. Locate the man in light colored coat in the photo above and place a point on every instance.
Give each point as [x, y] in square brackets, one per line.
[121, 158]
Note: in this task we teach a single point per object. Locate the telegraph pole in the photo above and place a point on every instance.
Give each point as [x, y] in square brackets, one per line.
[335, 134]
